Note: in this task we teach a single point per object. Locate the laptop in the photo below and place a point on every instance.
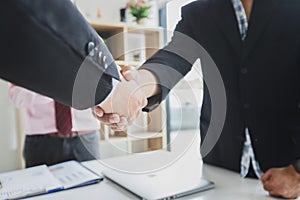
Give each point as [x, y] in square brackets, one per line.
[168, 183]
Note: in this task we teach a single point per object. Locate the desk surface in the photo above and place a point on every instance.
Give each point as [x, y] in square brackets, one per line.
[229, 186]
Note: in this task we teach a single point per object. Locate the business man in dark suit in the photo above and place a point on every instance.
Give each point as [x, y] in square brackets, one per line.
[255, 45]
[48, 47]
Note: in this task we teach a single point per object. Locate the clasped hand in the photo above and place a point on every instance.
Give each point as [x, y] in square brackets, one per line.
[124, 105]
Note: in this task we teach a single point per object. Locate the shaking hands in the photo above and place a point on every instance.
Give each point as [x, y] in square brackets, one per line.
[128, 99]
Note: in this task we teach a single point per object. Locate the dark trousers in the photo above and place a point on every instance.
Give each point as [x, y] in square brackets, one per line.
[49, 150]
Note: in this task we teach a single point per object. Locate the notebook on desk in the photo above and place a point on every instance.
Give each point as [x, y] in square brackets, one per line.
[42, 180]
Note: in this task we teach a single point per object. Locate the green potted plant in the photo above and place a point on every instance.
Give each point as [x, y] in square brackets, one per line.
[139, 9]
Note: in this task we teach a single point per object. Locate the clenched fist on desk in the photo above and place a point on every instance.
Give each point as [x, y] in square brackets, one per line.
[282, 182]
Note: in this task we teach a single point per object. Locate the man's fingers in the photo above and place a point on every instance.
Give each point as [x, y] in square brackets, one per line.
[268, 186]
[266, 176]
[109, 118]
[115, 128]
[126, 68]
[123, 121]
[280, 194]
[282, 182]
[273, 194]
[98, 111]
[118, 127]
[114, 121]
[130, 74]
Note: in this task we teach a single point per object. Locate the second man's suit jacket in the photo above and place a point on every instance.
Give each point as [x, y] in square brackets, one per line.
[261, 76]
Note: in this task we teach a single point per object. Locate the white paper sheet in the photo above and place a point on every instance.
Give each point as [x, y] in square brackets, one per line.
[27, 182]
[72, 174]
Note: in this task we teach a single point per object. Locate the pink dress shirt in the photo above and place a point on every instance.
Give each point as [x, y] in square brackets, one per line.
[40, 113]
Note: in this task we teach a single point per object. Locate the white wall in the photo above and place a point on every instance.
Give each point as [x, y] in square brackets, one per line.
[174, 12]
[110, 10]
[10, 143]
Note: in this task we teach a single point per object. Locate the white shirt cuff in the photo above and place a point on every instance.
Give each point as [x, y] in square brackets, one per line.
[115, 82]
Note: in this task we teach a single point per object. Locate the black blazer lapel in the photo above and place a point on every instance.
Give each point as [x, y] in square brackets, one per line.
[261, 14]
[224, 16]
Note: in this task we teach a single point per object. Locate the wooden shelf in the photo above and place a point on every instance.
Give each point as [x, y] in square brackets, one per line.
[122, 25]
[107, 26]
[129, 63]
[144, 136]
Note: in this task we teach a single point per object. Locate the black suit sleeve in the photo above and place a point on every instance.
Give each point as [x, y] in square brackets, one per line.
[48, 47]
[174, 61]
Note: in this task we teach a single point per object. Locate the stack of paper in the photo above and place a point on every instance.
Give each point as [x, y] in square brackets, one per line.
[43, 179]
[28, 182]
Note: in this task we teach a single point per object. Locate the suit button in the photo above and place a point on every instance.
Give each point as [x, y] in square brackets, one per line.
[246, 105]
[91, 48]
[100, 55]
[244, 71]
[104, 61]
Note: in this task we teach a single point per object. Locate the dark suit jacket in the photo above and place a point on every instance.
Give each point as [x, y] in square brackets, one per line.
[44, 47]
[261, 77]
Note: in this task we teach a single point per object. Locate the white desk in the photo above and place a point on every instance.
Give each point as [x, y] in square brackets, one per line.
[229, 186]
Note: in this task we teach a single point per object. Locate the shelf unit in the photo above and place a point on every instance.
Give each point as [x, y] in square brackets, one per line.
[131, 45]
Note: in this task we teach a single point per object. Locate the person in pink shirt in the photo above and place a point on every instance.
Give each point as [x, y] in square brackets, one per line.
[45, 142]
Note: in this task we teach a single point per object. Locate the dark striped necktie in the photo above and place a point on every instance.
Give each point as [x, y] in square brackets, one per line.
[63, 118]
